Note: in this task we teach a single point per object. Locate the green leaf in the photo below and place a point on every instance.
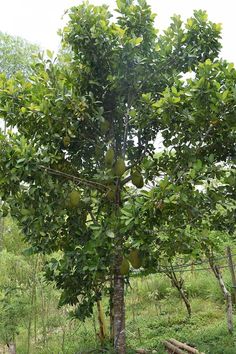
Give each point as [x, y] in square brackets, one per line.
[211, 158]
[197, 165]
[110, 234]
[49, 54]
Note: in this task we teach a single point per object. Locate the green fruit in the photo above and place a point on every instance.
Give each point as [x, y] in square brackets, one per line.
[137, 179]
[119, 168]
[105, 126]
[74, 198]
[124, 268]
[66, 141]
[135, 259]
[109, 157]
[111, 194]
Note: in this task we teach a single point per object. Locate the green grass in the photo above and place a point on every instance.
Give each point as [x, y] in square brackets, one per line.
[159, 314]
[154, 312]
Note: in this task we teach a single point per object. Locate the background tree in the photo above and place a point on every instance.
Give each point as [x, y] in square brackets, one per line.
[16, 54]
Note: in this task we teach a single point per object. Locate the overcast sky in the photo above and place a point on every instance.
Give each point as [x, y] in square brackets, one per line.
[39, 20]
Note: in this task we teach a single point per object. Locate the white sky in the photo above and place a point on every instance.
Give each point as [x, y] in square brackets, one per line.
[39, 20]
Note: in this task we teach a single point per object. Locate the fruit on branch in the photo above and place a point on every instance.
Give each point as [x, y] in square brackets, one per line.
[135, 259]
[74, 198]
[109, 157]
[124, 268]
[111, 194]
[119, 167]
[137, 179]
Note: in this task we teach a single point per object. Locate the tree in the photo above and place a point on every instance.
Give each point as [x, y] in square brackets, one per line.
[16, 54]
[84, 131]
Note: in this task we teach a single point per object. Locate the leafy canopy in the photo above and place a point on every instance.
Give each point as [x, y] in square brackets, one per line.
[104, 94]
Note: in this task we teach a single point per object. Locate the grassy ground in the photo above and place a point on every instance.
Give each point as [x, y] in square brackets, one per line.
[154, 313]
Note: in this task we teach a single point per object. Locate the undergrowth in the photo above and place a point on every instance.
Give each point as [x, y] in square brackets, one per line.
[154, 312]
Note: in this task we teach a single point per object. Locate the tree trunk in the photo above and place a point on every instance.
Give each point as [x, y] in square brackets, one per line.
[43, 308]
[179, 284]
[31, 312]
[35, 309]
[11, 348]
[119, 309]
[118, 297]
[101, 320]
[111, 309]
[63, 339]
[186, 301]
[226, 293]
[29, 334]
[232, 272]
[1, 230]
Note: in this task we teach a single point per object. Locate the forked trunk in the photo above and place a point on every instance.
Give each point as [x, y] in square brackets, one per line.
[179, 284]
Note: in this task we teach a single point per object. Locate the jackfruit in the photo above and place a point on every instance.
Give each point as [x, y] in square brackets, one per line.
[135, 259]
[124, 268]
[66, 141]
[119, 168]
[137, 179]
[109, 157]
[111, 194]
[74, 198]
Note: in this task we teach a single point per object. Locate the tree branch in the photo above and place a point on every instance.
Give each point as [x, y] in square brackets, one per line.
[79, 180]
